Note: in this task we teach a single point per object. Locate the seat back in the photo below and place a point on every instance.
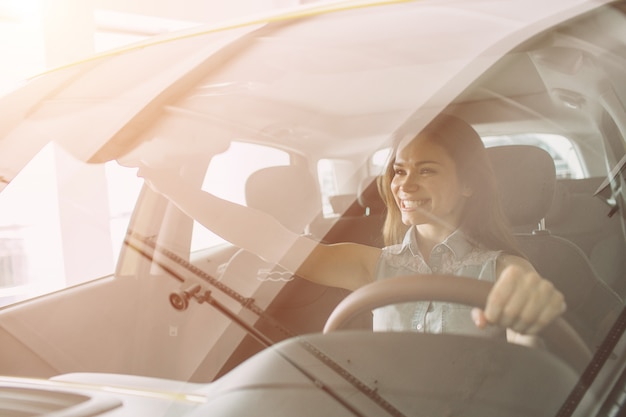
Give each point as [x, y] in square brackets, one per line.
[289, 193]
[526, 178]
[363, 225]
[579, 215]
[526, 182]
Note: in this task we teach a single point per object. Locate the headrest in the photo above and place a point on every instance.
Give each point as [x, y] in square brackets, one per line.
[526, 178]
[289, 193]
[345, 204]
[369, 196]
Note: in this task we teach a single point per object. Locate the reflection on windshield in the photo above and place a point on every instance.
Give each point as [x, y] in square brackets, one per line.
[53, 234]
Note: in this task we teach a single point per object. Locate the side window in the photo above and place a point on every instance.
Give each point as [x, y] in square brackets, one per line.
[336, 178]
[53, 234]
[226, 178]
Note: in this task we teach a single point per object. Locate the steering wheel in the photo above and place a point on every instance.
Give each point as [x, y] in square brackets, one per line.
[559, 335]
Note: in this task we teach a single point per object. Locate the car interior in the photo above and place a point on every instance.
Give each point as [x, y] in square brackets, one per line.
[563, 224]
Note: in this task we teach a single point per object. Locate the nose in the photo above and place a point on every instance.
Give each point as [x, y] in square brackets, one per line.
[408, 183]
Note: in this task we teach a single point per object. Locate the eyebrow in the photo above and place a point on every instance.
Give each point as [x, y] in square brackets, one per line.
[418, 163]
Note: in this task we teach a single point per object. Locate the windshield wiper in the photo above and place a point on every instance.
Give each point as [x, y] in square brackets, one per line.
[179, 301]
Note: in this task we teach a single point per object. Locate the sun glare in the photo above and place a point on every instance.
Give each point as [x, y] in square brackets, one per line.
[21, 41]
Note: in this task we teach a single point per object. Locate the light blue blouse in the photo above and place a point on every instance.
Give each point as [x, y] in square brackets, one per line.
[456, 256]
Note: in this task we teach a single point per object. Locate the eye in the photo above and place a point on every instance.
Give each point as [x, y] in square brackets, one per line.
[399, 171]
[427, 171]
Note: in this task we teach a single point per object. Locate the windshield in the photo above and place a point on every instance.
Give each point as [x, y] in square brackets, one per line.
[319, 191]
[195, 251]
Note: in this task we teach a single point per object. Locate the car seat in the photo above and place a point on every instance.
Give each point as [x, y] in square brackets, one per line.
[291, 195]
[365, 224]
[526, 181]
[583, 217]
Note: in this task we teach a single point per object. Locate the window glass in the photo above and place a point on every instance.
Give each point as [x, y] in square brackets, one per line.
[226, 178]
[63, 235]
[337, 178]
[328, 184]
[562, 150]
[378, 161]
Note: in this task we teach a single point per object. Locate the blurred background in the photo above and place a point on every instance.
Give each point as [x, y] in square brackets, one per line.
[36, 35]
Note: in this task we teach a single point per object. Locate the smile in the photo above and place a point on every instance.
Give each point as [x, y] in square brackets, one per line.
[413, 204]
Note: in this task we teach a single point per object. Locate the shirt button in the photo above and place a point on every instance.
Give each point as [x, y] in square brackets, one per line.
[419, 327]
[438, 249]
[434, 269]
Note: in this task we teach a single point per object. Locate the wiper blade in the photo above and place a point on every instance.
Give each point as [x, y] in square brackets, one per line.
[180, 300]
[195, 292]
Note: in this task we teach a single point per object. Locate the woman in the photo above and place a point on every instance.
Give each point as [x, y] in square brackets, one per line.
[443, 217]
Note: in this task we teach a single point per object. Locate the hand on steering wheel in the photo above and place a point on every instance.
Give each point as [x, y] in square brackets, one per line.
[447, 288]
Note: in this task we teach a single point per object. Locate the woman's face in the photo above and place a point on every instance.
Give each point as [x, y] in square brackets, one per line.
[425, 185]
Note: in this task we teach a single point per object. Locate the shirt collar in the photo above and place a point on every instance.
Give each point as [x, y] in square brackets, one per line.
[457, 242]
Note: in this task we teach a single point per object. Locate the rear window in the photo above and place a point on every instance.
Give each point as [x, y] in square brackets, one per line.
[562, 150]
[565, 155]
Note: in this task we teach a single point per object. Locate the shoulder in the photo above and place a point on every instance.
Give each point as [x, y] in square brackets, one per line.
[393, 249]
[480, 255]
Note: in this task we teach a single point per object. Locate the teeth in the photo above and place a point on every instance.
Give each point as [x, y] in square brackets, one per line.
[414, 203]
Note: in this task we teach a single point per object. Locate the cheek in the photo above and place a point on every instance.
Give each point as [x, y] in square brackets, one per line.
[454, 199]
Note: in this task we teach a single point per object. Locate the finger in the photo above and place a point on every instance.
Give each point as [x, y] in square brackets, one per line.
[478, 316]
[527, 307]
[553, 309]
[521, 309]
[543, 305]
[499, 297]
[524, 320]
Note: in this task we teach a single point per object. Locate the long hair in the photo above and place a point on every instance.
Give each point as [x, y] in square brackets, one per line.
[482, 220]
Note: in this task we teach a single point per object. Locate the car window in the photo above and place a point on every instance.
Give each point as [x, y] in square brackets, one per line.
[63, 236]
[575, 148]
[566, 158]
[336, 179]
[226, 177]
[562, 151]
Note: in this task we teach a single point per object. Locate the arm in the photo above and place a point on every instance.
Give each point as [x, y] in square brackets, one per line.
[521, 300]
[345, 265]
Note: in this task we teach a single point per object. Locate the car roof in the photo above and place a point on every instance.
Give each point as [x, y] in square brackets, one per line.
[323, 77]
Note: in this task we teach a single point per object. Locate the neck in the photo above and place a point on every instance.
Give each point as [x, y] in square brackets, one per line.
[428, 236]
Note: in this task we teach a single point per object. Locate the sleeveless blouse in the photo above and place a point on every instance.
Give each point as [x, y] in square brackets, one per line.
[456, 256]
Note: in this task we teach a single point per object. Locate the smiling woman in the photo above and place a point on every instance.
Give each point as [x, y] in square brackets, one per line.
[426, 187]
[441, 184]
